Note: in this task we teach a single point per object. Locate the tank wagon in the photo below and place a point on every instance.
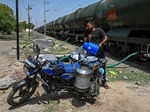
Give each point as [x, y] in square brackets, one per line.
[127, 23]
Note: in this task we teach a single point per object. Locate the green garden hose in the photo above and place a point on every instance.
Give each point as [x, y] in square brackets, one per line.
[65, 41]
[112, 65]
[64, 57]
[121, 61]
[107, 66]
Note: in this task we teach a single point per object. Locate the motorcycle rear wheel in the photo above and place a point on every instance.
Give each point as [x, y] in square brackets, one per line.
[24, 93]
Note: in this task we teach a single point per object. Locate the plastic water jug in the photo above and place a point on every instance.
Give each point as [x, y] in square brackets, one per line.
[91, 48]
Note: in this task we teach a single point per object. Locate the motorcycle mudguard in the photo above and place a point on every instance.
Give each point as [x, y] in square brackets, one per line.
[20, 83]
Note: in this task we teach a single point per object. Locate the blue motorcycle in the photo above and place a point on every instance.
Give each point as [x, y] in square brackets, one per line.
[79, 77]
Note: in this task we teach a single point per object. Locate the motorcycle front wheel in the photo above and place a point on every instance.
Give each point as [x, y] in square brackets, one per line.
[20, 94]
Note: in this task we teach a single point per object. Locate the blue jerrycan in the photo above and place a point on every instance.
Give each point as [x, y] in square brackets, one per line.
[91, 48]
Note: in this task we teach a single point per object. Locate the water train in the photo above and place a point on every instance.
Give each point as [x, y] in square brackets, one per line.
[126, 22]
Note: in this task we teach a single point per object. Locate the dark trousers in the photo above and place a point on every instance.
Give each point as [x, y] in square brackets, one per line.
[102, 56]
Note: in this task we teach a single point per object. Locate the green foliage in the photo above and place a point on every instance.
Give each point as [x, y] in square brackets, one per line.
[7, 19]
[31, 26]
[24, 25]
[114, 74]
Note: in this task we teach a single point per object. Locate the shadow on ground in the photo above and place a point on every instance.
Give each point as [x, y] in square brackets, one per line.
[46, 98]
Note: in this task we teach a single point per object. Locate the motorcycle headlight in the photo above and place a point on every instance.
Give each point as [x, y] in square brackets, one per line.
[30, 63]
[26, 70]
[30, 66]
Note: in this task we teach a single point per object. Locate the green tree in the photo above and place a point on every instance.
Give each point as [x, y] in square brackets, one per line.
[7, 19]
[22, 26]
[31, 26]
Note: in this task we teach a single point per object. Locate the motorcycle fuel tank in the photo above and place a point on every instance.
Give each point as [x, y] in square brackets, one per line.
[48, 70]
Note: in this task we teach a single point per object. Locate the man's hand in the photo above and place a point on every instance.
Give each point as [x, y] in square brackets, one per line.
[100, 45]
[104, 41]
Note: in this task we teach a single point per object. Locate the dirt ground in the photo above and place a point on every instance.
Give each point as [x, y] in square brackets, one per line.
[5, 59]
[122, 97]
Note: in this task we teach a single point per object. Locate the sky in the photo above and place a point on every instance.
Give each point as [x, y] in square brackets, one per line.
[55, 9]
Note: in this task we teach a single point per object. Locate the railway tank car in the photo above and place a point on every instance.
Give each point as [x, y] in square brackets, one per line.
[127, 23]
